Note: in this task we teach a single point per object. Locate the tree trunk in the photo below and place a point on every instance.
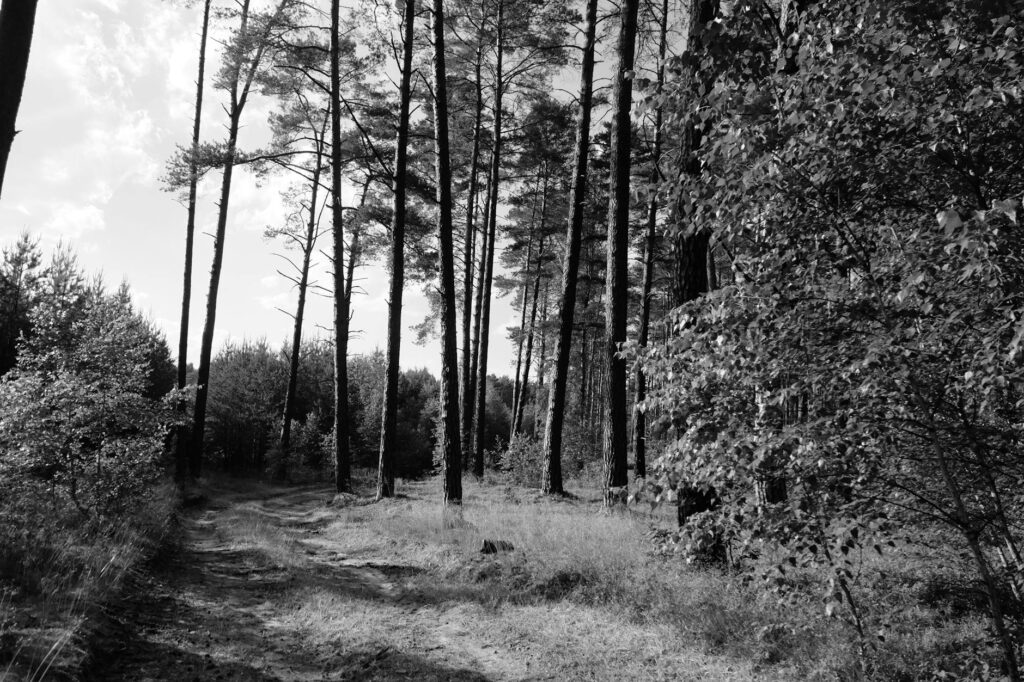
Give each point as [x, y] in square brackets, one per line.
[520, 405]
[468, 341]
[484, 322]
[526, 333]
[542, 364]
[451, 455]
[206, 351]
[690, 245]
[469, 420]
[521, 345]
[181, 451]
[639, 417]
[342, 452]
[300, 309]
[970, 532]
[584, 377]
[690, 270]
[617, 284]
[389, 418]
[481, 380]
[552, 475]
[17, 21]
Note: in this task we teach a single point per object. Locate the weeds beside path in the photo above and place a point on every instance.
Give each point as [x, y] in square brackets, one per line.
[274, 584]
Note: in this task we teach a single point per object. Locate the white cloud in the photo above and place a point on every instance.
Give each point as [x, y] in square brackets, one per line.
[54, 170]
[71, 221]
[112, 5]
[275, 301]
[124, 149]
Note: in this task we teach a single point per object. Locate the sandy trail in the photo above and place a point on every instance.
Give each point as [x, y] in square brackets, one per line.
[272, 584]
[291, 607]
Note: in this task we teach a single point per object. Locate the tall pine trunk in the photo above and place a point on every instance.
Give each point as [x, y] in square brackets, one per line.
[342, 452]
[17, 21]
[639, 417]
[484, 324]
[492, 220]
[519, 405]
[451, 455]
[617, 284]
[526, 337]
[469, 420]
[300, 309]
[468, 341]
[552, 477]
[521, 343]
[389, 418]
[181, 451]
[239, 94]
[543, 358]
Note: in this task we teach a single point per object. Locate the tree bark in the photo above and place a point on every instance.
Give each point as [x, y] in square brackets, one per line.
[484, 322]
[552, 475]
[17, 21]
[342, 452]
[521, 344]
[470, 419]
[300, 309]
[968, 527]
[481, 380]
[468, 341]
[542, 364]
[389, 418]
[181, 451]
[690, 245]
[451, 455]
[617, 284]
[639, 416]
[238, 100]
[522, 378]
[520, 405]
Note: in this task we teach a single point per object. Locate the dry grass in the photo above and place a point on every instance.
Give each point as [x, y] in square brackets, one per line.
[580, 578]
[402, 583]
[597, 570]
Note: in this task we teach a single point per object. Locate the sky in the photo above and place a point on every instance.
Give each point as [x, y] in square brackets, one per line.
[109, 93]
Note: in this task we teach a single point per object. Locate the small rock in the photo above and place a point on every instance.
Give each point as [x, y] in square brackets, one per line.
[193, 499]
[495, 546]
[343, 500]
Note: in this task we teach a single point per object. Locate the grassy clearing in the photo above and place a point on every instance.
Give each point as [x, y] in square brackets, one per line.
[597, 570]
[397, 588]
[51, 593]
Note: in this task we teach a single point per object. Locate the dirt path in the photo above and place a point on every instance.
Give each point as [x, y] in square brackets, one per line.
[278, 585]
[228, 603]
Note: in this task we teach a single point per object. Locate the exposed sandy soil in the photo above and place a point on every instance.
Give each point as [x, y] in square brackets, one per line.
[275, 585]
[207, 610]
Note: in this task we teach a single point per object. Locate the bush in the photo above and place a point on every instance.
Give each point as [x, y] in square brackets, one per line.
[81, 456]
[523, 462]
[78, 429]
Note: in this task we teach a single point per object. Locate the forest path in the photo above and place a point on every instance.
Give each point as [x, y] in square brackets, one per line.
[252, 592]
[287, 584]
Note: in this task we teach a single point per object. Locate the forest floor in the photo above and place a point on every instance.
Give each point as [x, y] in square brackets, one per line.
[289, 584]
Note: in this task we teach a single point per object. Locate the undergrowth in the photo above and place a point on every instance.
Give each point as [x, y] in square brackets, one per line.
[57, 571]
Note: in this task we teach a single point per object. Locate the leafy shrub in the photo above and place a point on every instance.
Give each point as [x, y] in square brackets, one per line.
[78, 428]
[523, 462]
[82, 431]
[861, 369]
